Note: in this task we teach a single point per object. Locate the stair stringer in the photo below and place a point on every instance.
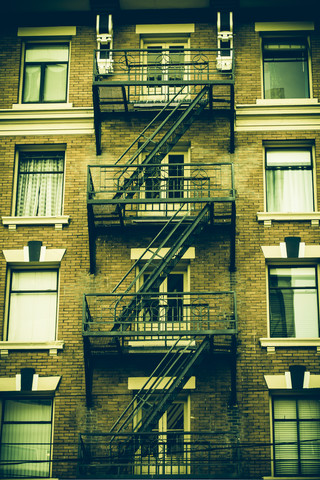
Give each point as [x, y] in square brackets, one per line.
[165, 144]
[169, 261]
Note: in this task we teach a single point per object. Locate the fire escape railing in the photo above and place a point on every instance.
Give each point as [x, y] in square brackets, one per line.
[142, 67]
[161, 186]
[161, 314]
[163, 454]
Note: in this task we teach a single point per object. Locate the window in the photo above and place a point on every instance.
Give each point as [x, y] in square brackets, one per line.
[40, 184]
[289, 180]
[45, 73]
[164, 61]
[296, 433]
[293, 302]
[285, 68]
[33, 305]
[164, 310]
[166, 452]
[25, 448]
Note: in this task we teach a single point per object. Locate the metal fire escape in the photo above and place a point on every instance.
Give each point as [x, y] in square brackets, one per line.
[132, 192]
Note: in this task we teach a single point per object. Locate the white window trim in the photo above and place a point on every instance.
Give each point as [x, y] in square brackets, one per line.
[136, 383]
[283, 26]
[46, 31]
[52, 347]
[165, 29]
[13, 222]
[268, 218]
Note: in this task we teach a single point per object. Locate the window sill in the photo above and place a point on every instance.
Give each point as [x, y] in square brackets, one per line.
[13, 222]
[286, 101]
[53, 346]
[289, 478]
[41, 106]
[267, 218]
[272, 343]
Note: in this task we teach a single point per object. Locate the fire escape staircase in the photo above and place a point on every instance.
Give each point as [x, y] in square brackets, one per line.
[147, 407]
[179, 115]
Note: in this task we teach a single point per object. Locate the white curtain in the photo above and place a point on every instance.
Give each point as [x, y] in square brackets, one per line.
[289, 180]
[289, 191]
[33, 306]
[26, 443]
[55, 81]
[40, 187]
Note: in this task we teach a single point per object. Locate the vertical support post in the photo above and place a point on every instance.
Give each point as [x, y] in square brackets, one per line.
[88, 368]
[92, 239]
[97, 118]
[231, 148]
[233, 394]
[233, 238]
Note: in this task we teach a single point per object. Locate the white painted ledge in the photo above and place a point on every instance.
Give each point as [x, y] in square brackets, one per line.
[46, 119]
[52, 347]
[270, 115]
[13, 222]
[269, 217]
[272, 343]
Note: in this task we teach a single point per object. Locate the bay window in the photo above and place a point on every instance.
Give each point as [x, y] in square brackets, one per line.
[285, 68]
[25, 448]
[289, 180]
[40, 184]
[32, 305]
[45, 73]
[293, 302]
[296, 433]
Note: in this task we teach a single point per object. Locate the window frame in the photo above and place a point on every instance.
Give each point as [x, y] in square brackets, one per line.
[299, 146]
[37, 149]
[283, 265]
[162, 92]
[286, 36]
[294, 396]
[44, 41]
[23, 397]
[35, 268]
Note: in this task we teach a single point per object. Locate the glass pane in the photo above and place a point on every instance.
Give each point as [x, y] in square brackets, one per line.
[289, 191]
[284, 409]
[288, 157]
[40, 194]
[154, 61]
[55, 83]
[31, 87]
[293, 310]
[32, 317]
[285, 69]
[34, 280]
[47, 53]
[309, 408]
[25, 443]
[286, 448]
[176, 60]
[27, 410]
[310, 447]
[293, 277]
[176, 187]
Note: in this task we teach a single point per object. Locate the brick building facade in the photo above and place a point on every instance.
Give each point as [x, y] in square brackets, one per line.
[159, 240]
